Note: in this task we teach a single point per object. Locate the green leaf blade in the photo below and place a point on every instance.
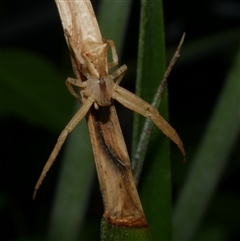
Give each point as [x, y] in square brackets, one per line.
[155, 185]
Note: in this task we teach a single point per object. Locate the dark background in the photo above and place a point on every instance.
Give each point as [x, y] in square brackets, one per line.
[194, 86]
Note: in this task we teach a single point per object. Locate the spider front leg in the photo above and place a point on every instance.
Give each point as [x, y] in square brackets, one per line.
[119, 73]
[134, 103]
[70, 82]
[114, 53]
[61, 139]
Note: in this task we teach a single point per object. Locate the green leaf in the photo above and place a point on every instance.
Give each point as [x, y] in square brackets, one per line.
[112, 232]
[155, 186]
[210, 160]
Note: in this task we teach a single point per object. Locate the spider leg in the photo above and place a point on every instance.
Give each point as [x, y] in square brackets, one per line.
[134, 103]
[119, 73]
[61, 139]
[70, 82]
[114, 53]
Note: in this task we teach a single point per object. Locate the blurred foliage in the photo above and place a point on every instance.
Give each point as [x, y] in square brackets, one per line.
[210, 159]
[35, 106]
[28, 67]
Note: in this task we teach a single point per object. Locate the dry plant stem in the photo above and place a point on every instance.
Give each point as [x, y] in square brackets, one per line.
[161, 87]
[138, 159]
[89, 59]
[97, 90]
